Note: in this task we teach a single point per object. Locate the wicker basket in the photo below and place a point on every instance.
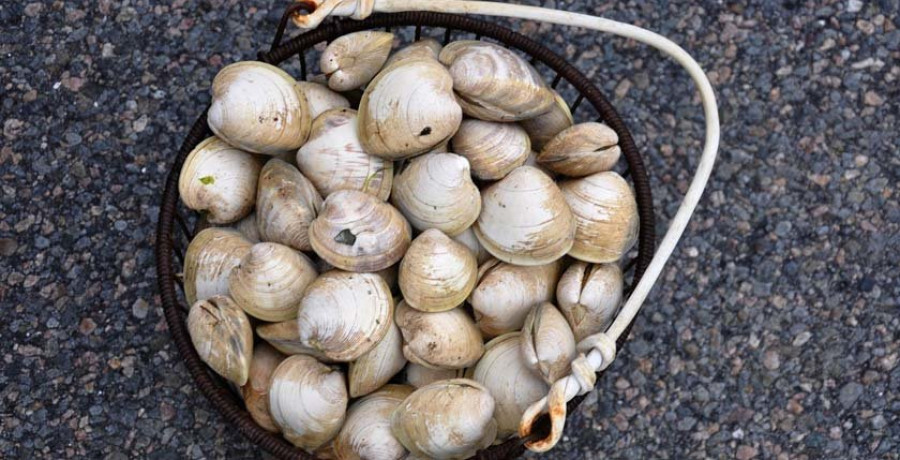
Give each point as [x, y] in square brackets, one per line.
[539, 433]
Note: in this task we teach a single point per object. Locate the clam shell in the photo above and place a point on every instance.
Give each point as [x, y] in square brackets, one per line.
[220, 180]
[437, 273]
[208, 262]
[375, 368]
[248, 227]
[547, 343]
[270, 281]
[333, 159]
[321, 99]
[493, 149]
[419, 376]
[606, 217]
[256, 391]
[256, 107]
[445, 340]
[352, 60]
[428, 48]
[525, 219]
[366, 434]
[469, 240]
[222, 336]
[358, 232]
[542, 128]
[589, 296]
[285, 337]
[286, 203]
[582, 150]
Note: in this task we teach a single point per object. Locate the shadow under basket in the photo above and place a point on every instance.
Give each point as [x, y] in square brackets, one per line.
[176, 223]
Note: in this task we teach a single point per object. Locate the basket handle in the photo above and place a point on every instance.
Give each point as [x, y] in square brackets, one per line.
[598, 350]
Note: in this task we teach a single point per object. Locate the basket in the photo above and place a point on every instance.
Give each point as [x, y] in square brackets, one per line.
[539, 432]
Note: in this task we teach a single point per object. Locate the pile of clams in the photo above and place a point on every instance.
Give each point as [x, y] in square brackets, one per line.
[402, 279]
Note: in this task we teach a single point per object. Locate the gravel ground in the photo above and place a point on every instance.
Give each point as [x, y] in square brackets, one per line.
[773, 333]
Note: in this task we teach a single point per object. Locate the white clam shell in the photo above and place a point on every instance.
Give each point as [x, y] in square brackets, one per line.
[436, 191]
[589, 296]
[426, 48]
[333, 159]
[525, 219]
[248, 226]
[450, 419]
[352, 60]
[286, 204]
[470, 241]
[344, 315]
[307, 400]
[514, 386]
[366, 433]
[493, 149]
[285, 337]
[506, 293]
[606, 217]
[321, 99]
[256, 107]
[256, 391]
[222, 336]
[408, 109]
[547, 342]
[542, 128]
[358, 232]
[445, 340]
[437, 273]
[219, 179]
[208, 262]
[582, 150]
[494, 83]
[270, 281]
[375, 368]
[419, 376]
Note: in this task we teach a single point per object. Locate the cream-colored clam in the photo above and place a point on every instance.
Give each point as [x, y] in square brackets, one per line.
[352, 60]
[493, 149]
[506, 293]
[208, 262]
[256, 391]
[547, 342]
[321, 99]
[426, 48]
[589, 296]
[436, 191]
[333, 159]
[286, 203]
[514, 386]
[445, 340]
[222, 336]
[248, 226]
[606, 216]
[450, 419]
[582, 150]
[437, 273]
[220, 180]
[257, 107]
[358, 232]
[285, 337]
[469, 240]
[542, 128]
[419, 376]
[270, 281]
[408, 109]
[375, 368]
[344, 315]
[494, 83]
[366, 433]
[307, 400]
[525, 219]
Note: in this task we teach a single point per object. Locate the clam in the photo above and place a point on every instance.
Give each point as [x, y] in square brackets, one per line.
[333, 158]
[606, 216]
[366, 434]
[547, 342]
[352, 60]
[469, 240]
[450, 419]
[286, 203]
[542, 128]
[582, 150]
[493, 149]
[208, 262]
[506, 293]
[443, 340]
[220, 180]
[344, 315]
[256, 391]
[437, 273]
[436, 191]
[502, 370]
[358, 232]
[321, 99]
[248, 227]
[270, 281]
[256, 107]
[375, 368]
[285, 337]
[222, 336]
[419, 376]
[307, 400]
[408, 109]
[589, 296]
[428, 48]
[525, 219]
[495, 84]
